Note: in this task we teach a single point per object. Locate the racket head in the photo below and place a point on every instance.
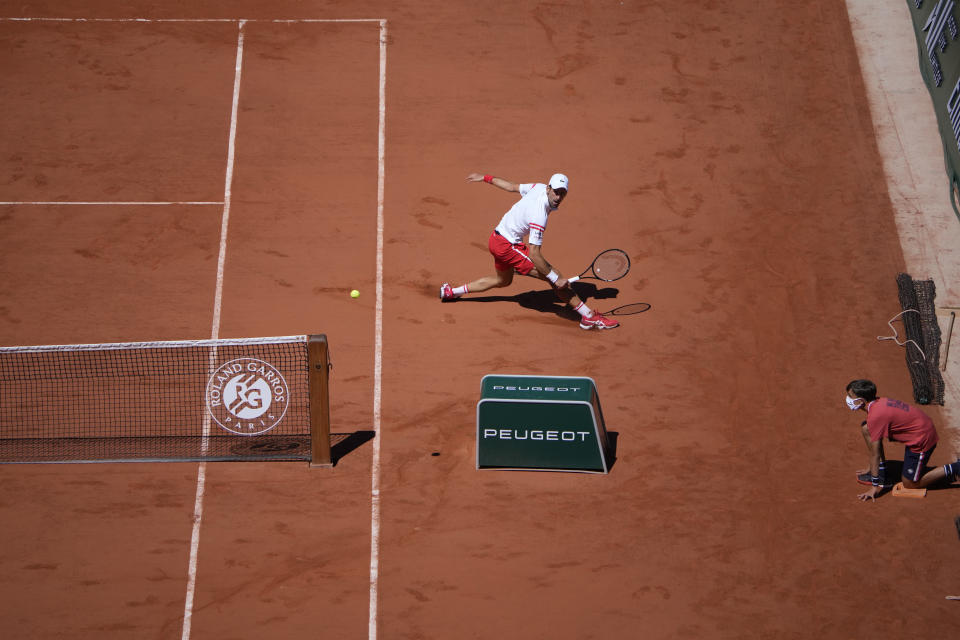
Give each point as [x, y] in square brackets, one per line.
[629, 309]
[611, 265]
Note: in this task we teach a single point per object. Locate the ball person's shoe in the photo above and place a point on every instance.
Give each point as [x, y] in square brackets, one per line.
[867, 479]
[599, 321]
[446, 292]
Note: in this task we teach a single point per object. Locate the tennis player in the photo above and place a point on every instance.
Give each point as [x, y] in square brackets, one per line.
[899, 422]
[527, 218]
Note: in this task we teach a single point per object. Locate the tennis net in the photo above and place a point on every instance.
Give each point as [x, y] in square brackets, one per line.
[243, 399]
[920, 324]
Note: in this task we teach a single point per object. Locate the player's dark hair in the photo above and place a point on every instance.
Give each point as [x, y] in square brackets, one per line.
[865, 389]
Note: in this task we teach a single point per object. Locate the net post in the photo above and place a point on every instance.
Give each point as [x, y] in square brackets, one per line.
[318, 354]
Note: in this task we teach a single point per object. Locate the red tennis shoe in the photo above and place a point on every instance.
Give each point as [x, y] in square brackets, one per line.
[599, 321]
[446, 292]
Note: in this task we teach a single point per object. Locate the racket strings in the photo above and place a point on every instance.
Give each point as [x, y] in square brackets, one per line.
[611, 265]
[629, 309]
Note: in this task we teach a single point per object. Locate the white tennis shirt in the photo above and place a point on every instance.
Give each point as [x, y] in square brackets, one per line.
[528, 215]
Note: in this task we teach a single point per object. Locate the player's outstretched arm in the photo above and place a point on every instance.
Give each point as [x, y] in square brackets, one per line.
[506, 185]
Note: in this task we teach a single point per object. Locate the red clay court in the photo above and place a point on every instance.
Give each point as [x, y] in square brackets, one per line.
[182, 172]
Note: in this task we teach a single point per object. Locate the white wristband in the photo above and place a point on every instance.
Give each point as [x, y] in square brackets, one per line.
[553, 276]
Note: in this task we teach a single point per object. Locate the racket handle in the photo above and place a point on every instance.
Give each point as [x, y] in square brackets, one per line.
[573, 278]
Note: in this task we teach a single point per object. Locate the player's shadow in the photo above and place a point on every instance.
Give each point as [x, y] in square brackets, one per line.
[546, 301]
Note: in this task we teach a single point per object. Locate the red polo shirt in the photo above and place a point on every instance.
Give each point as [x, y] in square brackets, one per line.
[898, 421]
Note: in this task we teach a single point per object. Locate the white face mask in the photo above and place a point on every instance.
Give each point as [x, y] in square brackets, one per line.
[852, 403]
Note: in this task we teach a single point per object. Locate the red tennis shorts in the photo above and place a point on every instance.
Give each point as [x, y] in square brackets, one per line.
[507, 256]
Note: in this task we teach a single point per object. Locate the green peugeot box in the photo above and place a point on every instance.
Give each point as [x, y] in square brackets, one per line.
[545, 423]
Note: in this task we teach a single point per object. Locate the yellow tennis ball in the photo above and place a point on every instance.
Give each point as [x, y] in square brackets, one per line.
[354, 294]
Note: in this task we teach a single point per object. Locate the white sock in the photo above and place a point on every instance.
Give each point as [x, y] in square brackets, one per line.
[459, 291]
[583, 310]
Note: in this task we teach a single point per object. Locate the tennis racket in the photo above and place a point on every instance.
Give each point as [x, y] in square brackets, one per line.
[608, 266]
[628, 309]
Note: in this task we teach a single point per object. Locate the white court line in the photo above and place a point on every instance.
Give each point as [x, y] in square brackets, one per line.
[378, 351]
[214, 334]
[378, 348]
[105, 204]
[220, 20]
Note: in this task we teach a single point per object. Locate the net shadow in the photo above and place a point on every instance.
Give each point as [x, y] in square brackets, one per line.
[343, 444]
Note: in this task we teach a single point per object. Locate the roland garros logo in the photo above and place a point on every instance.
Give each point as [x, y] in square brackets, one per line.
[247, 396]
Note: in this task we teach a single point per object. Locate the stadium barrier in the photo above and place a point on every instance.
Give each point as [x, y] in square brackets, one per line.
[936, 31]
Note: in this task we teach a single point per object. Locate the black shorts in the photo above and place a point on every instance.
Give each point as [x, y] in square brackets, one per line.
[915, 463]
